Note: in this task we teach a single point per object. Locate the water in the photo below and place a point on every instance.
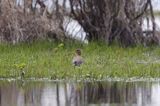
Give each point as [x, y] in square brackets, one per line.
[105, 93]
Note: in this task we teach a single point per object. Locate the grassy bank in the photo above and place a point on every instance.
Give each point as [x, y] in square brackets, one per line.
[53, 60]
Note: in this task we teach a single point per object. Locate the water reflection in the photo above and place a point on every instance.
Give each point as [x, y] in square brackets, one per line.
[108, 93]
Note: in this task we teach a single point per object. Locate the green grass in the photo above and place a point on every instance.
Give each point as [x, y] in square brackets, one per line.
[53, 60]
[157, 13]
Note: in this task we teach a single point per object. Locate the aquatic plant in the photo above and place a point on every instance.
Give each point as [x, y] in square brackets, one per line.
[39, 60]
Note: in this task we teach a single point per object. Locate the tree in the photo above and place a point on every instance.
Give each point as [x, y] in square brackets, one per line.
[102, 20]
[107, 20]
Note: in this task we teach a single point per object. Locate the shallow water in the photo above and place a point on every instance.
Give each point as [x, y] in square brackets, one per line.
[100, 93]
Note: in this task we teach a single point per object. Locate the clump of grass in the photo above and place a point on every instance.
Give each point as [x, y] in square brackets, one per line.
[44, 59]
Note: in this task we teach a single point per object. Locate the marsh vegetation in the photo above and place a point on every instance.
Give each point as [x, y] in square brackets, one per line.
[35, 42]
[54, 61]
[117, 42]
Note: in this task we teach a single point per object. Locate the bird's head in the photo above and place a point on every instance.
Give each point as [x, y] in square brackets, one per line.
[78, 52]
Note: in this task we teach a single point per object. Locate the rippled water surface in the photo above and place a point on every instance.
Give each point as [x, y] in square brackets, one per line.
[104, 93]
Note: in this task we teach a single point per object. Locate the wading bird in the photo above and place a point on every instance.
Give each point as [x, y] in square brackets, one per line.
[77, 59]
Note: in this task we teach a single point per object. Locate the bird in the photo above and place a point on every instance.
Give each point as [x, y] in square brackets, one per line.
[22, 74]
[77, 59]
